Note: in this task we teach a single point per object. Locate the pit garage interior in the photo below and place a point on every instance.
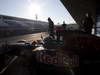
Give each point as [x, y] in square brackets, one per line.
[28, 64]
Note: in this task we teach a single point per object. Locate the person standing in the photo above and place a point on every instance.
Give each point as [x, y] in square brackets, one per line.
[88, 23]
[64, 29]
[64, 25]
[51, 27]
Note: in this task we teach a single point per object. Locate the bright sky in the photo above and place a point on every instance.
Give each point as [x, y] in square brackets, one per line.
[42, 8]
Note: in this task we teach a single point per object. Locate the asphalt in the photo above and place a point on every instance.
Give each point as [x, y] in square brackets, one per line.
[29, 38]
[21, 64]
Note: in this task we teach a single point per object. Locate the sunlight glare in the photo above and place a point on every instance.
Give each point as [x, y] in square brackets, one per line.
[34, 9]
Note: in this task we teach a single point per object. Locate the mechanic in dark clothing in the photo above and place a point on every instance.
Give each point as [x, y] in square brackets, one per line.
[88, 23]
[51, 27]
[64, 25]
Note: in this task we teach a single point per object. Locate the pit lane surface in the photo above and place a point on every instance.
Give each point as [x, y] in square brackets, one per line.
[29, 38]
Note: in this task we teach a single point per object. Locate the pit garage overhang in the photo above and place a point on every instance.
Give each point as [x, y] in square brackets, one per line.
[78, 8]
